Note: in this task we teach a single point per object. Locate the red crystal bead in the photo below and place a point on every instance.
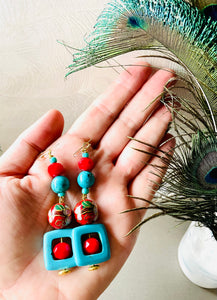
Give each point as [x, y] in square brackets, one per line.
[85, 164]
[55, 169]
[91, 246]
[62, 250]
[85, 212]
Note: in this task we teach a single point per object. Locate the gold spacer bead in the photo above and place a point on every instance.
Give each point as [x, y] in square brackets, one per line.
[64, 272]
[84, 196]
[93, 267]
[61, 199]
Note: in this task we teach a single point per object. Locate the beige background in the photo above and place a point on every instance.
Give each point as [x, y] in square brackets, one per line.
[32, 69]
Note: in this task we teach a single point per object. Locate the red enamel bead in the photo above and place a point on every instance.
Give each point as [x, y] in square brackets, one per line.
[91, 246]
[85, 212]
[59, 215]
[62, 251]
[85, 164]
[55, 169]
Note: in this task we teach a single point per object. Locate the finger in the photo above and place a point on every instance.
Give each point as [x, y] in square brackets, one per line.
[95, 121]
[20, 156]
[147, 182]
[134, 114]
[130, 161]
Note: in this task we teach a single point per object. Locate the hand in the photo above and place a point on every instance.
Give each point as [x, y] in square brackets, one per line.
[119, 170]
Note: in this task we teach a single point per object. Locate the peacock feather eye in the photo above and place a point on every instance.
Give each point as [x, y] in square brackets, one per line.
[211, 176]
[211, 11]
[136, 22]
[207, 170]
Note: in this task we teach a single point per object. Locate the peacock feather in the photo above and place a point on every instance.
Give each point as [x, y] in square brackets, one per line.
[186, 33]
[207, 7]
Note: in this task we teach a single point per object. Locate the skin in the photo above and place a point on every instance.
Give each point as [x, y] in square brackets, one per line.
[119, 170]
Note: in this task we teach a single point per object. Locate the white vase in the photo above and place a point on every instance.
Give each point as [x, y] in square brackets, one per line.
[197, 256]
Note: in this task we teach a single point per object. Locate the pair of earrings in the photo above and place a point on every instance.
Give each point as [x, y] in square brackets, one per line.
[82, 245]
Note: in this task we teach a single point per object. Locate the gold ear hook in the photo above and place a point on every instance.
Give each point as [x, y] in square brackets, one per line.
[46, 154]
[83, 148]
[50, 153]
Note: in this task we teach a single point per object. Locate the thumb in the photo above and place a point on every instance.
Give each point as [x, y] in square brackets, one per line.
[21, 155]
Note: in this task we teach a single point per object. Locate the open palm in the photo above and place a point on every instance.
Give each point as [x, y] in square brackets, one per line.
[26, 197]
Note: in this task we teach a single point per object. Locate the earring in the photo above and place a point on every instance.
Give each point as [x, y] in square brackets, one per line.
[95, 245]
[83, 245]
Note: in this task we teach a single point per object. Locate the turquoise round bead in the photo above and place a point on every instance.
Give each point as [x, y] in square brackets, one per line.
[85, 191]
[53, 160]
[85, 179]
[85, 154]
[62, 194]
[60, 184]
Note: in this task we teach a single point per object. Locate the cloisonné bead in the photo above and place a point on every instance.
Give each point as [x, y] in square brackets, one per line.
[59, 215]
[62, 251]
[86, 212]
[85, 179]
[55, 169]
[60, 184]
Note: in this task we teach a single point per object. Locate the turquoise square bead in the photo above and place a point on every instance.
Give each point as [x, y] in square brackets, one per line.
[49, 261]
[82, 259]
